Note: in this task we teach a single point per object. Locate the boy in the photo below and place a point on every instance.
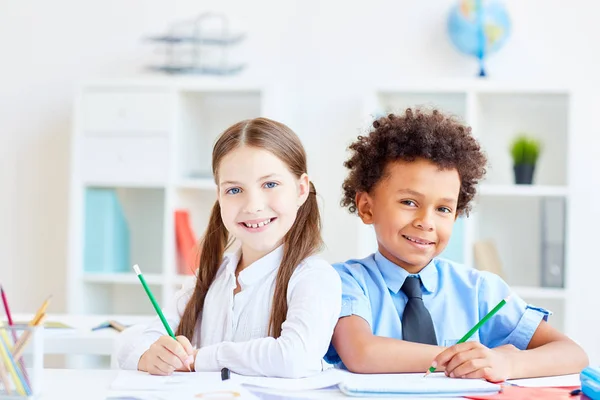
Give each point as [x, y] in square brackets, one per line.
[403, 310]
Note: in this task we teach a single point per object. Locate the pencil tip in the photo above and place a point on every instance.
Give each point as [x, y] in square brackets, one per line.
[507, 298]
[136, 268]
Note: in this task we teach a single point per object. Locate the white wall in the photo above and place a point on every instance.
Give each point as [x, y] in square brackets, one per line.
[324, 54]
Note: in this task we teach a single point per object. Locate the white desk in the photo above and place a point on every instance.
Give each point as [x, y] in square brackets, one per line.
[65, 384]
[81, 339]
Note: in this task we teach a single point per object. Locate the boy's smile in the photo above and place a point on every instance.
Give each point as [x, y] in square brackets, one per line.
[413, 209]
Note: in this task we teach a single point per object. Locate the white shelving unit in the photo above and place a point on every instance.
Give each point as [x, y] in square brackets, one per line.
[149, 140]
[505, 213]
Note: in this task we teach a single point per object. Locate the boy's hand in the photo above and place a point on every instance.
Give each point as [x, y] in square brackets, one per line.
[474, 360]
[167, 355]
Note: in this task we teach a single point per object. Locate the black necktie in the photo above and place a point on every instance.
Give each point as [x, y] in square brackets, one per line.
[417, 325]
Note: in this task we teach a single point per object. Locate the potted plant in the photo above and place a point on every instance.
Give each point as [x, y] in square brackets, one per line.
[525, 151]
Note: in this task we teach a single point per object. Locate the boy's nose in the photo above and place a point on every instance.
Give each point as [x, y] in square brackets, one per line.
[424, 222]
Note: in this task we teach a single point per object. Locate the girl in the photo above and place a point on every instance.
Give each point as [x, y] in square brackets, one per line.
[268, 307]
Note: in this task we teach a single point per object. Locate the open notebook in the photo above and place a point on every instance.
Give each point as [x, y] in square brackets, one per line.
[414, 385]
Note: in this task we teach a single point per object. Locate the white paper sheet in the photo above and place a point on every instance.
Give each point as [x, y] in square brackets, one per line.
[563, 380]
[180, 385]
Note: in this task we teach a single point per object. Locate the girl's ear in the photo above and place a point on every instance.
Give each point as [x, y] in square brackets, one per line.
[364, 207]
[303, 189]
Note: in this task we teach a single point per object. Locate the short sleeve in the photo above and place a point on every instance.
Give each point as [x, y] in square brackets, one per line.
[515, 323]
[354, 300]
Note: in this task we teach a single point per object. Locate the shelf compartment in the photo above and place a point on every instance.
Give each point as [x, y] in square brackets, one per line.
[198, 204]
[203, 116]
[139, 241]
[500, 117]
[529, 235]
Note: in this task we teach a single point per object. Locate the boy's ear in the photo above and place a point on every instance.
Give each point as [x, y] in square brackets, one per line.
[364, 207]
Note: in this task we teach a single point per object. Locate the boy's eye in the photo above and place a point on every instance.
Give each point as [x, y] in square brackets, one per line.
[234, 190]
[271, 185]
[445, 209]
[409, 203]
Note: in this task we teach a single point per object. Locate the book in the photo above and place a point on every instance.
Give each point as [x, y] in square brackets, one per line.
[119, 327]
[486, 257]
[188, 250]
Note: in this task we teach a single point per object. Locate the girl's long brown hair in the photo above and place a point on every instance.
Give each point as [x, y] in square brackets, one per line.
[302, 240]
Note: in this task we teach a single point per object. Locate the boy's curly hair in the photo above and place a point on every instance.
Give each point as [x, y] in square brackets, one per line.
[433, 136]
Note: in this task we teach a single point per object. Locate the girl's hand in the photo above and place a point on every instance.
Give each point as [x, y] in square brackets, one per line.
[167, 355]
[474, 360]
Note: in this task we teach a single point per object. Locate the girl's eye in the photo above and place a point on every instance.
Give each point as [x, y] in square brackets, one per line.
[445, 209]
[271, 185]
[234, 190]
[408, 203]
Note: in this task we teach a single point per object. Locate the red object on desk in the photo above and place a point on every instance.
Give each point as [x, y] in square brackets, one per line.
[510, 392]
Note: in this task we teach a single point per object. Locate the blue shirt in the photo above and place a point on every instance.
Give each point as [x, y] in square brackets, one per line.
[456, 296]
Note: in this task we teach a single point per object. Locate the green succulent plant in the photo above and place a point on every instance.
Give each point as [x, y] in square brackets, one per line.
[525, 150]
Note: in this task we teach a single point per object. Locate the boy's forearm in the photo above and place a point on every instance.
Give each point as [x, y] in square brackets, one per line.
[542, 361]
[387, 355]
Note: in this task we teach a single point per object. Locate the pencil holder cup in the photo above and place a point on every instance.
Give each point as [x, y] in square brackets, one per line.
[21, 361]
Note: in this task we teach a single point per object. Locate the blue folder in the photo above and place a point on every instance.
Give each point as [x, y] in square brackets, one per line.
[106, 242]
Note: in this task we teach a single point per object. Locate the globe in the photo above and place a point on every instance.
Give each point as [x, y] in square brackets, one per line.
[478, 28]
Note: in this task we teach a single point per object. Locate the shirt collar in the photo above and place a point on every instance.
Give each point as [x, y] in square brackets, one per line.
[394, 275]
[259, 269]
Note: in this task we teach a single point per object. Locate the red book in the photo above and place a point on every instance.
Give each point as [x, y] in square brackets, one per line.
[188, 250]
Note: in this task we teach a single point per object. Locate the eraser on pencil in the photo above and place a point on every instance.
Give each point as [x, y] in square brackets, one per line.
[225, 374]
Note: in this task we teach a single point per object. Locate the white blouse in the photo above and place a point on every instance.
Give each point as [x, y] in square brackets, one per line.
[234, 328]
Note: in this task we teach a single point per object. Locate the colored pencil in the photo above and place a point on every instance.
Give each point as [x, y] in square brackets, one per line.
[18, 351]
[5, 379]
[7, 311]
[14, 332]
[13, 369]
[137, 270]
[34, 322]
[476, 327]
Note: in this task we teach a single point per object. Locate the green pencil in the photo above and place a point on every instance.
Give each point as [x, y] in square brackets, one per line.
[476, 327]
[153, 300]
